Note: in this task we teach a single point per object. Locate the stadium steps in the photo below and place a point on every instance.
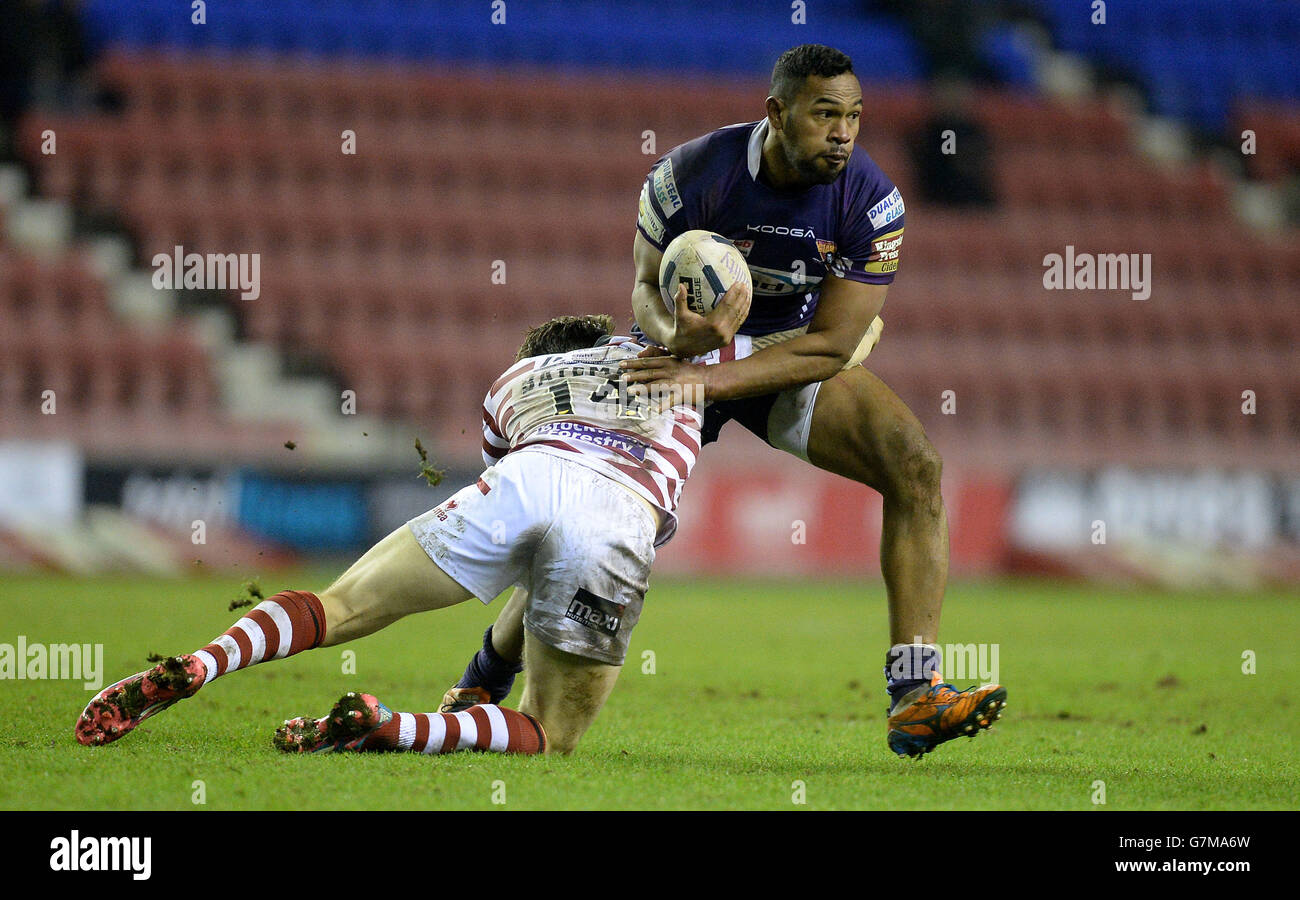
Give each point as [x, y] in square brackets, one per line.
[131, 380]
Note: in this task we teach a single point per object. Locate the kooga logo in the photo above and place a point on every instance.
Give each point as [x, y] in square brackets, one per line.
[781, 229]
[102, 854]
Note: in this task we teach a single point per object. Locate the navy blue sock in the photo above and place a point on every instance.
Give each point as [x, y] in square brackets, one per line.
[908, 667]
[490, 671]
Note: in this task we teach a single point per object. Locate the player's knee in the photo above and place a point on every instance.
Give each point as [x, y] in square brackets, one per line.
[916, 468]
[562, 736]
[337, 613]
[344, 605]
[561, 743]
[925, 466]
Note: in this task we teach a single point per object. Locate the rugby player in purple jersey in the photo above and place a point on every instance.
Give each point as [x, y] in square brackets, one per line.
[821, 227]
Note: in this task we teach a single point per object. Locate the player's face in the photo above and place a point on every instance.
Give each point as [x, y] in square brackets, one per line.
[820, 126]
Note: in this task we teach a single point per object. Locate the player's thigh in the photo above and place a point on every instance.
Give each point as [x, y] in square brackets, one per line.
[394, 578]
[564, 691]
[862, 430]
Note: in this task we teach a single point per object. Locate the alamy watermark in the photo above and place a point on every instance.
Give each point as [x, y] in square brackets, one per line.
[213, 272]
[39, 662]
[1098, 271]
[103, 854]
[954, 662]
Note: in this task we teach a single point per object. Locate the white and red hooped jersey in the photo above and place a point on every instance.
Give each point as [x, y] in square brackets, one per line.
[576, 405]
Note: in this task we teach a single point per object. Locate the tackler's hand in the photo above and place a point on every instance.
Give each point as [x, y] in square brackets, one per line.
[667, 380]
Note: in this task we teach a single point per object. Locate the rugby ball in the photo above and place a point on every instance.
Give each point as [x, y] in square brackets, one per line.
[707, 263]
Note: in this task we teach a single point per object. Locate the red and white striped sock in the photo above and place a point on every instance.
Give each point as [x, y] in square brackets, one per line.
[486, 727]
[280, 626]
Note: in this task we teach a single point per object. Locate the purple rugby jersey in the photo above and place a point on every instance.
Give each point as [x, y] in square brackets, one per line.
[852, 228]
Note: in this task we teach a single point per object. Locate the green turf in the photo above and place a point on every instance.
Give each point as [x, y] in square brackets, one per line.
[757, 685]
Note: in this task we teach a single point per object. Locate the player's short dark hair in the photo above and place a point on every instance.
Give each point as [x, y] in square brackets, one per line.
[565, 333]
[798, 64]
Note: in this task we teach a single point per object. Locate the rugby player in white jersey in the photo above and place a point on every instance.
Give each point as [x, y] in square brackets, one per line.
[582, 485]
[821, 227]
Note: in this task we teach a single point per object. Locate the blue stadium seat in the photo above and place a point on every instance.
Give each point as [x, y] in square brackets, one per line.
[1194, 56]
[1006, 53]
[582, 33]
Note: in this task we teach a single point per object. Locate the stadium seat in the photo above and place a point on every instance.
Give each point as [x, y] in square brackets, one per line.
[460, 168]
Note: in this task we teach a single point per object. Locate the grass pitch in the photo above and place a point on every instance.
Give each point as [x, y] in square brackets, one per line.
[761, 693]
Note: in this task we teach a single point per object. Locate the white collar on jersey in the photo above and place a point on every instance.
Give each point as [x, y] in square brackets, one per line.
[756, 138]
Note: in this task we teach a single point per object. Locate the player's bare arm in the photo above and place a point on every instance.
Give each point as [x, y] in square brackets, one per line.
[796, 197]
[684, 333]
[844, 313]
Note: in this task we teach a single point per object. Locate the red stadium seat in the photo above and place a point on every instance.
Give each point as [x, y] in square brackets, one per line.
[382, 261]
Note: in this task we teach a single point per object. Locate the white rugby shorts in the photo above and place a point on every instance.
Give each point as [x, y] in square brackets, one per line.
[579, 542]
